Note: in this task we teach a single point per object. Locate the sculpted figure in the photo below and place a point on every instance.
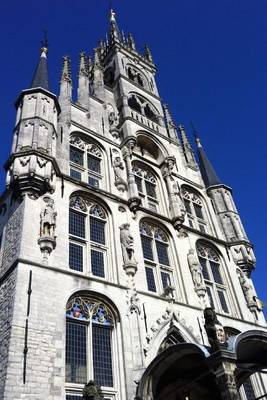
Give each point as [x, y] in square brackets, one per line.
[118, 168]
[196, 269]
[48, 219]
[246, 287]
[215, 330]
[127, 242]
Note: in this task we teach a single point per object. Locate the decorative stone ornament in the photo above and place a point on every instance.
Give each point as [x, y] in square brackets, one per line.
[92, 391]
[215, 330]
[196, 272]
[118, 167]
[248, 291]
[47, 240]
[127, 242]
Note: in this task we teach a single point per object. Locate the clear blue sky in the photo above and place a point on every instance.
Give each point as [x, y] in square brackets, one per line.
[211, 58]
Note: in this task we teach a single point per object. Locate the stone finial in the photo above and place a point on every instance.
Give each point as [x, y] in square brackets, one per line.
[66, 70]
[148, 55]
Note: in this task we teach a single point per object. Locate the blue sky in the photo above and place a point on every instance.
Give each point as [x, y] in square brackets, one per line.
[211, 58]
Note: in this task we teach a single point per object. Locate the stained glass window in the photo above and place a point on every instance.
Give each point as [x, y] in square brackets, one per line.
[89, 318]
[75, 174]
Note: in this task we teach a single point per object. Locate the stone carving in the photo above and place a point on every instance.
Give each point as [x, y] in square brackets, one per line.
[92, 391]
[41, 162]
[47, 240]
[196, 271]
[118, 166]
[244, 257]
[215, 330]
[247, 289]
[127, 243]
[24, 160]
[48, 219]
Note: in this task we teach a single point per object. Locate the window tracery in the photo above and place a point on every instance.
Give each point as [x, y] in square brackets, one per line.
[195, 210]
[89, 336]
[212, 272]
[147, 187]
[85, 161]
[135, 76]
[87, 234]
[155, 246]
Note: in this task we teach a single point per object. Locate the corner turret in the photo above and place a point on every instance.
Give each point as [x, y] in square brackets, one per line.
[230, 222]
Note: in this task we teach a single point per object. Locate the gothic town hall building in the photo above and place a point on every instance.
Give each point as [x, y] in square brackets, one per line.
[125, 270]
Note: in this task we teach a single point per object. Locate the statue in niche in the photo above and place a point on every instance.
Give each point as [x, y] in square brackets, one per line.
[118, 166]
[247, 288]
[112, 119]
[127, 242]
[196, 270]
[215, 330]
[48, 219]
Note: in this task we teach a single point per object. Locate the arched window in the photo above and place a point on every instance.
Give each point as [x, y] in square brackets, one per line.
[212, 273]
[85, 162]
[87, 235]
[155, 247]
[135, 76]
[147, 187]
[144, 107]
[195, 210]
[89, 343]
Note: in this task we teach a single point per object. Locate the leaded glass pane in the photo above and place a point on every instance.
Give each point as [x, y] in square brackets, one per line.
[187, 206]
[198, 211]
[223, 301]
[76, 353]
[138, 183]
[147, 247]
[97, 230]
[203, 263]
[210, 297]
[93, 182]
[75, 257]
[94, 163]
[249, 391]
[150, 189]
[215, 268]
[102, 357]
[76, 224]
[162, 250]
[75, 174]
[150, 279]
[76, 156]
[97, 263]
[165, 278]
[73, 397]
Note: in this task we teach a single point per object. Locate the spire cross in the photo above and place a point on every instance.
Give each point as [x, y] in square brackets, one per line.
[44, 43]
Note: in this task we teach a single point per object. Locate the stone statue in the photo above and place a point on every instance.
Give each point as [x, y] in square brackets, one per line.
[112, 119]
[92, 391]
[118, 166]
[127, 242]
[196, 270]
[48, 219]
[247, 288]
[215, 330]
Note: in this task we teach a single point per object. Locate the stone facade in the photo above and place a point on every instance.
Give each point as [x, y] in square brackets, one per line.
[142, 177]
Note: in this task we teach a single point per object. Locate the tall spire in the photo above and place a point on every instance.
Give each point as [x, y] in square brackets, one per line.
[40, 77]
[114, 32]
[208, 173]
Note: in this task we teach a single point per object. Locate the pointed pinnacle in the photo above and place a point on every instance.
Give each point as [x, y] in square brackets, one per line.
[148, 55]
[66, 70]
[83, 68]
